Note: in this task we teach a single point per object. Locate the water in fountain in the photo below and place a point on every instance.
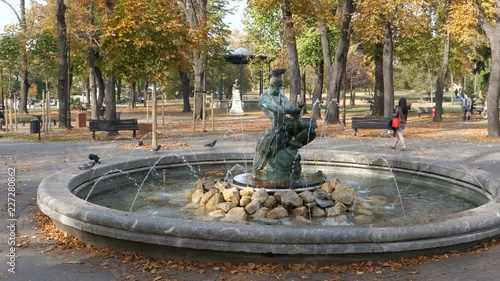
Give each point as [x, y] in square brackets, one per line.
[107, 174]
[422, 203]
[191, 168]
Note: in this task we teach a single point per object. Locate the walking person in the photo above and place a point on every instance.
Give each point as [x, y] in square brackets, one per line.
[401, 111]
[467, 107]
[2, 118]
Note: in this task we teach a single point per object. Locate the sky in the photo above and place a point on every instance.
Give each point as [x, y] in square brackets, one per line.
[234, 21]
[7, 16]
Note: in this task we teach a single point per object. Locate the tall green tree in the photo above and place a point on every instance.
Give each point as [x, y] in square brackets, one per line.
[25, 84]
[487, 14]
[143, 41]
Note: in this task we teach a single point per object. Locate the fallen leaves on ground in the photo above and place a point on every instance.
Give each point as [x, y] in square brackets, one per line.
[153, 268]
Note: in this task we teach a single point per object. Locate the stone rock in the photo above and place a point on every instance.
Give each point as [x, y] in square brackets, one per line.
[277, 195]
[261, 195]
[300, 220]
[245, 200]
[217, 213]
[300, 212]
[221, 185]
[364, 205]
[322, 198]
[213, 201]
[344, 194]
[207, 196]
[236, 214]
[362, 219]
[253, 206]
[277, 213]
[377, 200]
[337, 209]
[362, 211]
[317, 212]
[328, 187]
[291, 198]
[196, 196]
[310, 205]
[261, 213]
[225, 206]
[189, 193]
[270, 202]
[208, 183]
[247, 191]
[307, 196]
[231, 195]
[199, 184]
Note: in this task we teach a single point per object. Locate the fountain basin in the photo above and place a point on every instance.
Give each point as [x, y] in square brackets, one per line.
[210, 241]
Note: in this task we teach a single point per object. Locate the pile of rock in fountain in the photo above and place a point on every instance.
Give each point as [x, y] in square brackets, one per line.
[220, 199]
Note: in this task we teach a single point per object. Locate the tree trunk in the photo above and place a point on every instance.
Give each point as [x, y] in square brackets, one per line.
[110, 100]
[493, 34]
[132, 95]
[92, 71]
[86, 82]
[291, 48]
[441, 80]
[494, 89]
[110, 103]
[62, 87]
[318, 90]
[23, 97]
[154, 141]
[196, 14]
[378, 95]
[327, 62]
[185, 90]
[339, 66]
[118, 89]
[102, 86]
[387, 67]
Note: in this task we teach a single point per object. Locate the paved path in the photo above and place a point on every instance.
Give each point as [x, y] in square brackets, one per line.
[33, 161]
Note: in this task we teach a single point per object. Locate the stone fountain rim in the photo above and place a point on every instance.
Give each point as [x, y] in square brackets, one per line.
[477, 224]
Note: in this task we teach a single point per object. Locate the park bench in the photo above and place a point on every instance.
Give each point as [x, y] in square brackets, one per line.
[370, 123]
[113, 125]
[424, 110]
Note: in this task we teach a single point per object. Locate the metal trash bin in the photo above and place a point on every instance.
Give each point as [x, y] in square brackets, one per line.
[35, 126]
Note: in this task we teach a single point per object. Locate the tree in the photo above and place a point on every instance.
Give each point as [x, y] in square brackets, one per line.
[339, 65]
[291, 47]
[23, 98]
[62, 86]
[487, 16]
[142, 41]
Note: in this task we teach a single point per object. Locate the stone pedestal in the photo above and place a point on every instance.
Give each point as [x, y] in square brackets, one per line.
[145, 128]
[81, 120]
[236, 105]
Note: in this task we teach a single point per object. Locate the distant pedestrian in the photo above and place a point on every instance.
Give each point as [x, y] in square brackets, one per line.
[467, 107]
[401, 111]
[2, 118]
[484, 113]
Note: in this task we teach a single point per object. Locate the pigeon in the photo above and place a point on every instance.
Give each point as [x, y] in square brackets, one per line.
[211, 144]
[140, 143]
[95, 158]
[157, 148]
[88, 165]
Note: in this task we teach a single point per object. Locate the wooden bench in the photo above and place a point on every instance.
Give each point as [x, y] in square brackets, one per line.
[424, 110]
[113, 125]
[370, 123]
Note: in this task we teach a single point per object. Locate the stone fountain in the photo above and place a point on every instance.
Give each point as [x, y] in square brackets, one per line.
[276, 167]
